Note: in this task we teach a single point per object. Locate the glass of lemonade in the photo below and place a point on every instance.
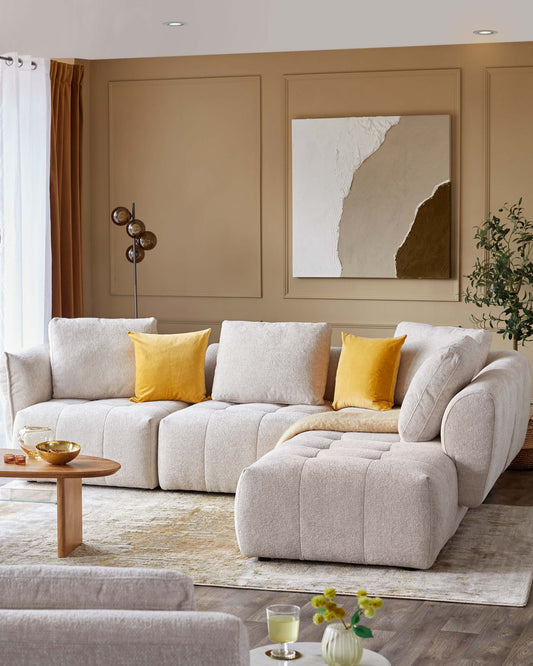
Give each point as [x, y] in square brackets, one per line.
[283, 627]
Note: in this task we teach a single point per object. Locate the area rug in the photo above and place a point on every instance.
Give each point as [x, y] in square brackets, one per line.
[488, 561]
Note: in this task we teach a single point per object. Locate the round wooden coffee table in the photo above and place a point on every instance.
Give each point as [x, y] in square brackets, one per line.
[68, 477]
[311, 656]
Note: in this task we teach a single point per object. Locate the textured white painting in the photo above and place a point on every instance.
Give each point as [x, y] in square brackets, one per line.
[371, 197]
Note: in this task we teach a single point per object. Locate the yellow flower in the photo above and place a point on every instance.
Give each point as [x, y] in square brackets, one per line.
[329, 615]
[364, 602]
[330, 592]
[317, 618]
[318, 601]
[331, 605]
[339, 612]
[377, 602]
[369, 612]
[361, 593]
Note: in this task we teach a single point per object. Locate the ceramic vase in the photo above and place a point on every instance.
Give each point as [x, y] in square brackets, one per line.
[340, 646]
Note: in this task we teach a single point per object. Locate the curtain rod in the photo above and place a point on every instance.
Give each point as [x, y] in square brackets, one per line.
[9, 61]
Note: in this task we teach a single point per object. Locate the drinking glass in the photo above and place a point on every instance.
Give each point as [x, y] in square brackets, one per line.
[283, 627]
[29, 436]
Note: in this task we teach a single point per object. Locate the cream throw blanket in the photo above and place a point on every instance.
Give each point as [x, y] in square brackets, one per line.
[348, 419]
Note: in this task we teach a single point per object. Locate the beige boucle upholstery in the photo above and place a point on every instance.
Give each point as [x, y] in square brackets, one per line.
[349, 498]
[118, 588]
[115, 428]
[485, 424]
[207, 445]
[104, 616]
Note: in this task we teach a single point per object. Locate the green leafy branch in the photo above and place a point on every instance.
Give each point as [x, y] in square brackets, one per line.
[503, 278]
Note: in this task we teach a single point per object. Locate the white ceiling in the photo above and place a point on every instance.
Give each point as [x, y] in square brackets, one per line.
[133, 28]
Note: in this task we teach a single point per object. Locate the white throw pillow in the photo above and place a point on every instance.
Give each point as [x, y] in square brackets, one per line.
[284, 362]
[437, 380]
[423, 340]
[94, 358]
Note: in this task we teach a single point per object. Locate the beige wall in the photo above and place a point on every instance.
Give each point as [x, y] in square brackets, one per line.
[202, 144]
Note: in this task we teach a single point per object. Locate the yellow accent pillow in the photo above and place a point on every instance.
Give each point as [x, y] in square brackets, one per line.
[367, 371]
[170, 367]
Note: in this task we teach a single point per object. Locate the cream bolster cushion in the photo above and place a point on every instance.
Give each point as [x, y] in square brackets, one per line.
[94, 358]
[55, 587]
[423, 340]
[283, 362]
[437, 380]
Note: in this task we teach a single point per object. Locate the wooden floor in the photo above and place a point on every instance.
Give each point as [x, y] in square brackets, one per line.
[408, 632]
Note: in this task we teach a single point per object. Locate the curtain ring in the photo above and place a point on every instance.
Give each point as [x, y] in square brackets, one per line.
[20, 62]
[33, 65]
[9, 60]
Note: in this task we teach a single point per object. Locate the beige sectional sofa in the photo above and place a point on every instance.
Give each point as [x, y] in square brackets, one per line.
[105, 616]
[298, 500]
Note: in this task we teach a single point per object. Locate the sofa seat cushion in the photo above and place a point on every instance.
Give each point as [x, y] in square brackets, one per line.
[334, 497]
[206, 446]
[114, 428]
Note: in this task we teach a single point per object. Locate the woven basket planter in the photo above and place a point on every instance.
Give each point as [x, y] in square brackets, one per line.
[524, 459]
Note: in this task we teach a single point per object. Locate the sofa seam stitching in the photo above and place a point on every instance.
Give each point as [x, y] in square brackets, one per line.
[300, 507]
[103, 436]
[364, 512]
[430, 521]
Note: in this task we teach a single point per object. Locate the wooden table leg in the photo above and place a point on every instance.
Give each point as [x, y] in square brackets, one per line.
[69, 527]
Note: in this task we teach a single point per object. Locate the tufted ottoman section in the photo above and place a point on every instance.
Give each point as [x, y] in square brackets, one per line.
[206, 446]
[349, 497]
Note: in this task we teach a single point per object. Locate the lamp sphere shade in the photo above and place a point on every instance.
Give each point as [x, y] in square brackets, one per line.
[138, 257]
[148, 240]
[121, 216]
[135, 228]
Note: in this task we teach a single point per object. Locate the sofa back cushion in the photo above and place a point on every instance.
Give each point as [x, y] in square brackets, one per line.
[94, 358]
[282, 362]
[437, 380]
[423, 340]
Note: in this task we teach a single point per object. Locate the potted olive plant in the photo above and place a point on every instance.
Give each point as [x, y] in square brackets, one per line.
[503, 277]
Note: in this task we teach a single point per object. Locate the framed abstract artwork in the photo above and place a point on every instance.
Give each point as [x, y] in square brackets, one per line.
[371, 197]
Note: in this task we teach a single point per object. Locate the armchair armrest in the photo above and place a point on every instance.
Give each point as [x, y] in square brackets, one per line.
[122, 638]
[485, 424]
[25, 379]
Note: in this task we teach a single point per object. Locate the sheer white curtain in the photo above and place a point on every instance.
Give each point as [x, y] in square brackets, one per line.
[25, 250]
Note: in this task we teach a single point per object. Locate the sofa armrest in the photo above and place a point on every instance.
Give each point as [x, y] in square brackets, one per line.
[485, 424]
[25, 379]
[58, 587]
[122, 638]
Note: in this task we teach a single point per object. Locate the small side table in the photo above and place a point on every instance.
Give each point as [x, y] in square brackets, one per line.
[311, 656]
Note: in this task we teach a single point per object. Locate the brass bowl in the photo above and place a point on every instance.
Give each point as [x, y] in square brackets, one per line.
[58, 452]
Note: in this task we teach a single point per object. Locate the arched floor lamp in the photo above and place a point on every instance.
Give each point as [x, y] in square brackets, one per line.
[142, 240]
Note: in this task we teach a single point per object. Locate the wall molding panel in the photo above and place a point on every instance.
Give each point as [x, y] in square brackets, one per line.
[203, 146]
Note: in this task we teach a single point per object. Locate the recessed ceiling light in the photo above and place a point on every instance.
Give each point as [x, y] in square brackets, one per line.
[174, 24]
[485, 32]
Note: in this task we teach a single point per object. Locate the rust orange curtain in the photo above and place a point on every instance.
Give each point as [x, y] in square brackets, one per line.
[66, 189]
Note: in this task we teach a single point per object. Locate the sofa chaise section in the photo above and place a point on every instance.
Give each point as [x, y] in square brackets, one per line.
[375, 499]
